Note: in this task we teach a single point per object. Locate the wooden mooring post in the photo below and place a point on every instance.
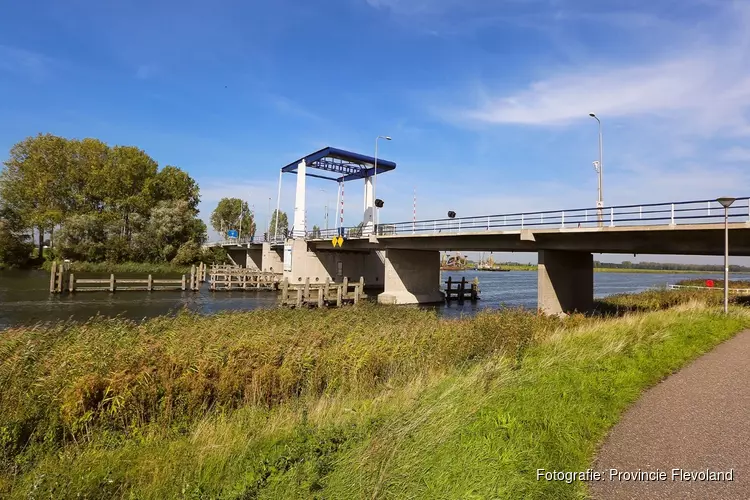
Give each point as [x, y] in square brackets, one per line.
[458, 290]
[59, 276]
[322, 294]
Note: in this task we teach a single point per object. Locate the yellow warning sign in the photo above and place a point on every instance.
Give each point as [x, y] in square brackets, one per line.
[334, 240]
[340, 240]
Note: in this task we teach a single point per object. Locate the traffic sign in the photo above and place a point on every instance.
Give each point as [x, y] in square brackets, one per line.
[334, 240]
[340, 241]
[232, 233]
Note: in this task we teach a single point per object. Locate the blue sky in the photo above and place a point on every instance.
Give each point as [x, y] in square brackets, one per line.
[487, 100]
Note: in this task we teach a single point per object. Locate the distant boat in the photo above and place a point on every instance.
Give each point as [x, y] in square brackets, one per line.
[453, 268]
[495, 269]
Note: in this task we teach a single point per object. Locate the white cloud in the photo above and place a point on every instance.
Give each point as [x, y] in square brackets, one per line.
[702, 86]
[709, 88]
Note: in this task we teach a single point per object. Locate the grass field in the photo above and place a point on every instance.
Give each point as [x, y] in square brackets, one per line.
[367, 402]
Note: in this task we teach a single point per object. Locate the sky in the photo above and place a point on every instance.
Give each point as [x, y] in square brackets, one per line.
[487, 101]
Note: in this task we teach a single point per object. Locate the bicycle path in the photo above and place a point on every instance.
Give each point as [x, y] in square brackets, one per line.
[696, 420]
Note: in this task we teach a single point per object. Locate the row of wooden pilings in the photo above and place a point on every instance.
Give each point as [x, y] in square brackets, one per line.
[322, 294]
[62, 280]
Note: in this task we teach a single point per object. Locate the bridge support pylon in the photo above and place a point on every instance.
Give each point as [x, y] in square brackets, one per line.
[412, 277]
[565, 282]
[273, 259]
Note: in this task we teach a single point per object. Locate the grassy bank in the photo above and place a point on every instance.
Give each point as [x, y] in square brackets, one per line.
[374, 402]
[124, 267]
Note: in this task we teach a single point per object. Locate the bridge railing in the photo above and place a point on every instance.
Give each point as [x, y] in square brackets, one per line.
[246, 240]
[653, 214]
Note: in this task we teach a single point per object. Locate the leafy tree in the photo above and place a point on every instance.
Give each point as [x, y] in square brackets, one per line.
[33, 183]
[233, 213]
[171, 183]
[283, 223]
[188, 253]
[127, 173]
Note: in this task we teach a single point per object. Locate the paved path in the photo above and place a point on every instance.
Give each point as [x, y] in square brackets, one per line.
[695, 420]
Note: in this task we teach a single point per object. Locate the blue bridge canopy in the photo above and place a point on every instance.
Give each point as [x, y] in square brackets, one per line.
[340, 165]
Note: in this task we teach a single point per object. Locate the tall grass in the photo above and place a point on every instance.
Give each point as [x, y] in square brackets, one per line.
[369, 401]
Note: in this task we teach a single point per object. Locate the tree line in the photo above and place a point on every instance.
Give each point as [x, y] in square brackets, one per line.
[86, 200]
[668, 266]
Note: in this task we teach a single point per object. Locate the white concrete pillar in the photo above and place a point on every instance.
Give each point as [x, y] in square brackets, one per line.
[411, 277]
[298, 229]
[565, 282]
[369, 217]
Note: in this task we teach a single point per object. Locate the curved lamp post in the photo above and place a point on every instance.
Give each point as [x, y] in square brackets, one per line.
[726, 202]
[599, 168]
[375, 175]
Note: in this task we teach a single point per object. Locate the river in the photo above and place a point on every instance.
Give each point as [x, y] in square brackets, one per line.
[25, 297]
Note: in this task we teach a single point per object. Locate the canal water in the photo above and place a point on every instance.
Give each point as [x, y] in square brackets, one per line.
[25, 297]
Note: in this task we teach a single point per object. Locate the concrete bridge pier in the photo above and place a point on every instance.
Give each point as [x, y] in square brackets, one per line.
[272, 259]
[565, 282]
[307, 261]
[411, 277]
[249, 258]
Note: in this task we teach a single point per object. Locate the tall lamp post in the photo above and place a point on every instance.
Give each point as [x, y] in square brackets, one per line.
[726, 202]
[599, 169]
[375, 175]
[325, 196]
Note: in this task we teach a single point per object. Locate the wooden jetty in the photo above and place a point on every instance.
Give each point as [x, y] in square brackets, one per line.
[322, 294]
[237, 278]
[458, 290]
[62, 280]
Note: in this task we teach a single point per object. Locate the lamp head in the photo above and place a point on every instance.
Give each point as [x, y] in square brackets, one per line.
[592, 115]
[726, 201]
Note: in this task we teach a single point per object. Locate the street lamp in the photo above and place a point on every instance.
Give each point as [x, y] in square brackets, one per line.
[726, 202]
[325, 195]
[599, 169]
[375, 175]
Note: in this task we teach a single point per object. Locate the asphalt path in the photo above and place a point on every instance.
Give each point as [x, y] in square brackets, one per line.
[696, 420]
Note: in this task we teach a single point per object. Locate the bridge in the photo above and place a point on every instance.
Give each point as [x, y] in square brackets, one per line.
[403, 259]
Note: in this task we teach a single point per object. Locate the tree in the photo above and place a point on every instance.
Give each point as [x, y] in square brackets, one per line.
[233, 213]
[171, 183]
[315, 232]
[283, 224]
[33, 183]
[126, 174]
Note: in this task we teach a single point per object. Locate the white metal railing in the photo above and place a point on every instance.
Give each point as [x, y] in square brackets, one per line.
[720, 288]
[245, 241]
[654, 214]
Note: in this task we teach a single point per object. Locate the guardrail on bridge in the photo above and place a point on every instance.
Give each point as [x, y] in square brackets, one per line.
[653, 214]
